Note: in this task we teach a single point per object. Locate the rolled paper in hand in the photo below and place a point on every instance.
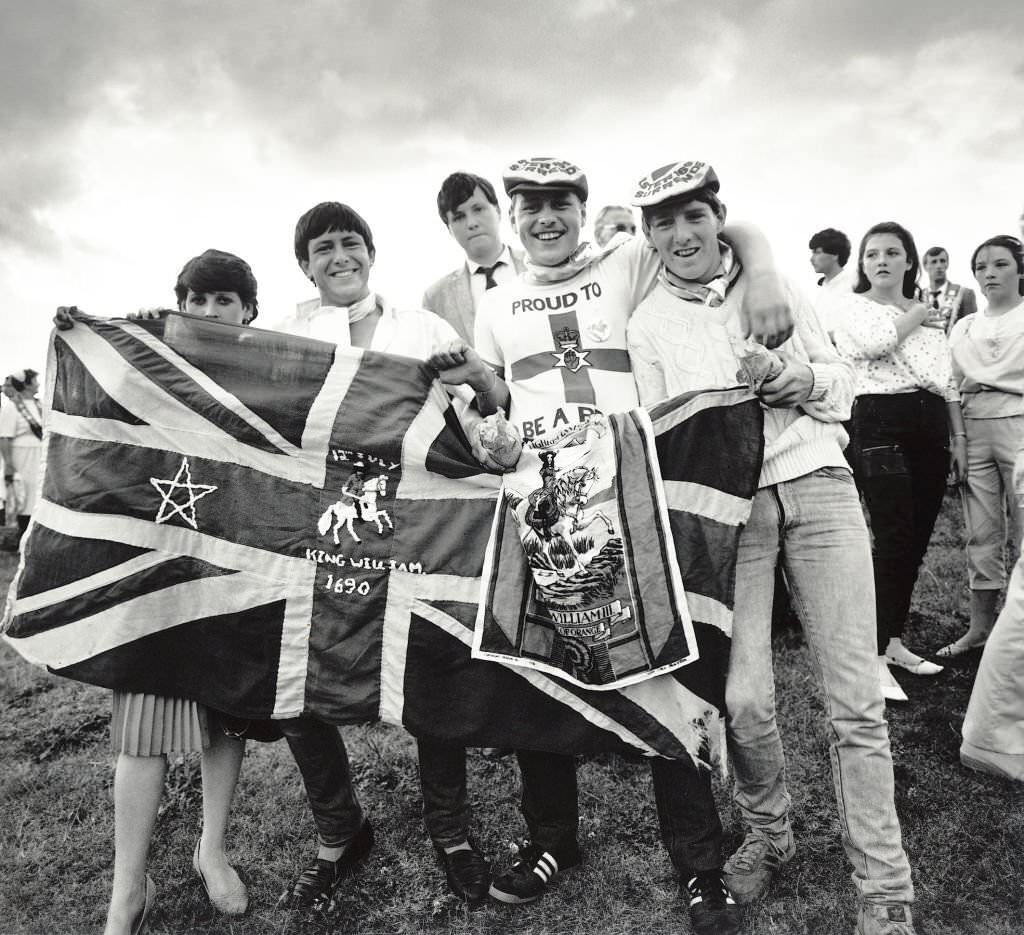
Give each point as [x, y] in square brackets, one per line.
[496, 443]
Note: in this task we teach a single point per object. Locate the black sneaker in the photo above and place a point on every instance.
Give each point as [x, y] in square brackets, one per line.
[315, 886]
[468, 873]
[531, 871]
[712, 908]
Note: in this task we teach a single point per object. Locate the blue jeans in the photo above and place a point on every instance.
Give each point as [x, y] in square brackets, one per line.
[815, 527]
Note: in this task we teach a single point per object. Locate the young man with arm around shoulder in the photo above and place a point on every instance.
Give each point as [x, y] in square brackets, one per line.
[685, 336]
[557, 336]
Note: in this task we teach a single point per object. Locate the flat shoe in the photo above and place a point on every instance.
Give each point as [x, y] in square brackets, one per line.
[139, 922]
[954, 650]
[921, 667]
[233, 901]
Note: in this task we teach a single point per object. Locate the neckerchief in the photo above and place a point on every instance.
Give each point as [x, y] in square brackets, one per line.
[327, 330]
[585, 254]
[33, 422]
[705, 293]
[356, 312]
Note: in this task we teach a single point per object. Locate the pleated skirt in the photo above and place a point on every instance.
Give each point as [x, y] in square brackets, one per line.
[153, 725]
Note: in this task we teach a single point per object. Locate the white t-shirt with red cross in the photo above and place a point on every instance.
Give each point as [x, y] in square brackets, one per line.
[561, 347]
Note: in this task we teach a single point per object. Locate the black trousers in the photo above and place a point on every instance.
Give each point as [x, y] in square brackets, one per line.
[322, 759]
[687, 815]
[901, 447]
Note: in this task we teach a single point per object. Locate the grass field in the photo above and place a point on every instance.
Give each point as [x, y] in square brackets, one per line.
[964, 831]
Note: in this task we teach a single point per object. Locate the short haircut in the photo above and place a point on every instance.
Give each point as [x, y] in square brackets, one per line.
[705, 195]
[831, 241]
[329, 216]
[1007, 242]
[217, 271]
[459, 187]
[608, 209]
[905, 238]
[935, 251]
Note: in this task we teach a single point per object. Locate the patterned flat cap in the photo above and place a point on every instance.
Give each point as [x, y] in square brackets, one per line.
[545, 172]
[673, 180]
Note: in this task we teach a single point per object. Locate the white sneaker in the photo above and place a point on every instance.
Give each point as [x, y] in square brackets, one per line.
[891, 690]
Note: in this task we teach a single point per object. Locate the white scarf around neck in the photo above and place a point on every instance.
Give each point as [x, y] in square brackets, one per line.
[325, 321]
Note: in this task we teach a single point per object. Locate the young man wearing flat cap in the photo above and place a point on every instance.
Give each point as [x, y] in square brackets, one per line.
[686, 336]
[557, 338]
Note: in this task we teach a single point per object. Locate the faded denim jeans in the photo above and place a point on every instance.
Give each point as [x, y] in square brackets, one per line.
[814, 526]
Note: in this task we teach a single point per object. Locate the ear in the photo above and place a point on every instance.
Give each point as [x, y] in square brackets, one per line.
[248, 316]
[304, 266]
[583, 213]
[646, 228]
[721, 219]
[373, 256]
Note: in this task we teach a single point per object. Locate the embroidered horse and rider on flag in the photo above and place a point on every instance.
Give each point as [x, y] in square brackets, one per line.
[275, 526]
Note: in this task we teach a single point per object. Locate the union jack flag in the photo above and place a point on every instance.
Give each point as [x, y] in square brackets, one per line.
[271, 525]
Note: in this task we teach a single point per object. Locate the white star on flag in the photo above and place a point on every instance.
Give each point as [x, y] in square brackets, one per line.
[579, 361]
[194, 492]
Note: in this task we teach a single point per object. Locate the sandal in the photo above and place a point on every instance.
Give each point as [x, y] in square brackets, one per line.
[955, 649]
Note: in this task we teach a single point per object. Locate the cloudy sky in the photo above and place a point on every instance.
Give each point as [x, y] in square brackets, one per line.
[137, 134]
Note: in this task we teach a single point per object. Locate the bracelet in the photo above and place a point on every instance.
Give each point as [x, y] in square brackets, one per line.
[958, 434]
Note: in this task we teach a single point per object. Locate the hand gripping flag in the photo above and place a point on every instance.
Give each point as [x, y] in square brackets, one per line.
[272, 526]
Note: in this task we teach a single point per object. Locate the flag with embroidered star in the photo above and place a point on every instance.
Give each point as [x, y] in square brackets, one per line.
[273, 526]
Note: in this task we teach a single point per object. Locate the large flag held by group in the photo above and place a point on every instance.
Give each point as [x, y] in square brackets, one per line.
[271, 525]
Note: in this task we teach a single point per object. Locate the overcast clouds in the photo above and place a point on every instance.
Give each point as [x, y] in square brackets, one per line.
[136, 135]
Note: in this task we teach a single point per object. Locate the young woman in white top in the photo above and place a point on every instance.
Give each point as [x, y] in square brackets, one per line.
[906, 424]
[988, 365]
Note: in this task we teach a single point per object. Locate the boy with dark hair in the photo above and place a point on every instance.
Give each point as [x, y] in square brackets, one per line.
[686, 336]
[951, 299]
[830, 251]
[334, 249]
[468, 207]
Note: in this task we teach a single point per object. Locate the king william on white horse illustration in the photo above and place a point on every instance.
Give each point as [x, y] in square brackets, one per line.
[358, 501]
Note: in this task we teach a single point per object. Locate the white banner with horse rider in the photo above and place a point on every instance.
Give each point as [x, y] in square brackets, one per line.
[598, 612]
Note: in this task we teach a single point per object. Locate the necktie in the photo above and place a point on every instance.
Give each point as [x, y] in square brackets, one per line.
[488, 271]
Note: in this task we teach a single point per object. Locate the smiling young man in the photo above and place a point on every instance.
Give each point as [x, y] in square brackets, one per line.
[468, 207]
[335, 250]
[557, 337]
[686, 336]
